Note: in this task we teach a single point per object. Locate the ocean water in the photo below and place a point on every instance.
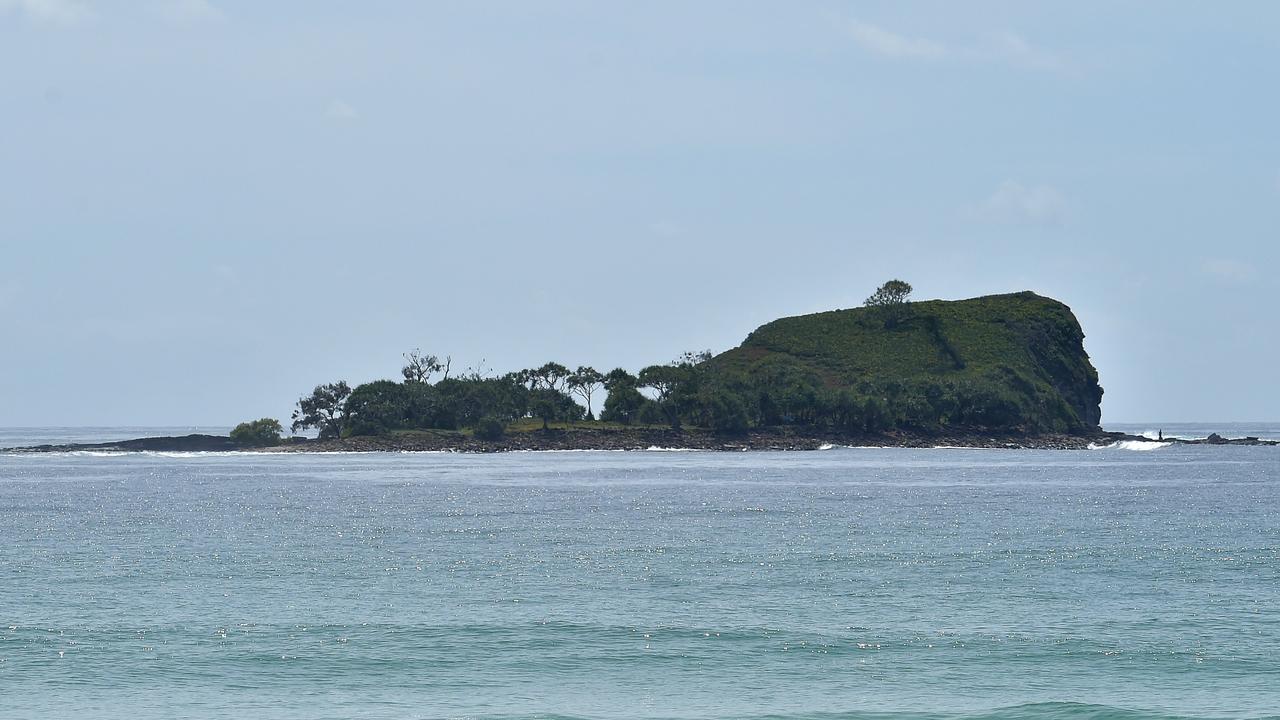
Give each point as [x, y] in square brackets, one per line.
[850, 583]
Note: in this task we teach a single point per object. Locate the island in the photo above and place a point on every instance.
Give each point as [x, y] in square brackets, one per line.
[999, 371]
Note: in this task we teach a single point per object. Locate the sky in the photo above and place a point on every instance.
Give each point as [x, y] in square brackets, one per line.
[207, 207]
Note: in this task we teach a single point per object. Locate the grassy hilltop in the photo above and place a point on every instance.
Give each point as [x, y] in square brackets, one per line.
[1013, 360]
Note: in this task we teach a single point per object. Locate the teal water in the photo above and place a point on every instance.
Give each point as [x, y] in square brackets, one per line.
[885, 584]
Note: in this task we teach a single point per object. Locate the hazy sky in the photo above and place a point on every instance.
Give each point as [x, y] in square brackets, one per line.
[209, 206]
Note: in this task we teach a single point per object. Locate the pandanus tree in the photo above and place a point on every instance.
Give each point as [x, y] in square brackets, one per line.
[551, 376]
[584, 382]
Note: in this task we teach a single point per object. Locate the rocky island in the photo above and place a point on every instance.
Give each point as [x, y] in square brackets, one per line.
[1000, 371]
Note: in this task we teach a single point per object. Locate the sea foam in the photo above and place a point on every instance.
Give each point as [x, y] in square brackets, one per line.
[1135, 445]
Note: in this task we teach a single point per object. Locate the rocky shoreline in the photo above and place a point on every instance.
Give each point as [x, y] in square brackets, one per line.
[632, 439]
[674, 440]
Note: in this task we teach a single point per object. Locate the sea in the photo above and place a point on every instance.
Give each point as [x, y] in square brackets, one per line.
[1136, 581]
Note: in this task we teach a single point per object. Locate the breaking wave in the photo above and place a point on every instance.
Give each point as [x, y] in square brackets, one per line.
[1135, 445]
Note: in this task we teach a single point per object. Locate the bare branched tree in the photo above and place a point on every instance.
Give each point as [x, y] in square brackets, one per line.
[420, 367]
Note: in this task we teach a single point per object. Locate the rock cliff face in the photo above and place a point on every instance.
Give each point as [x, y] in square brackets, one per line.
[1010, 361]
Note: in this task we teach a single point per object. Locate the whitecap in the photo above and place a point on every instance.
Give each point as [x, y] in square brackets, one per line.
[1136, 445]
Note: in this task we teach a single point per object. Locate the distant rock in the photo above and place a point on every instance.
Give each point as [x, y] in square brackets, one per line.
[182, 443]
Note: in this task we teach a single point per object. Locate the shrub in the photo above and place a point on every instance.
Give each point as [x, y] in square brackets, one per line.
[651, 413]
[258, 433]
[490, 428]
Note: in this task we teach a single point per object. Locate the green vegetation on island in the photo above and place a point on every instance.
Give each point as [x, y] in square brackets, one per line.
[1003, 362]
[997, 364]
[257, 433]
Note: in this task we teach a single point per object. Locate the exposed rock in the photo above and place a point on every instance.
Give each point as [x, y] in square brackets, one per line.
[183, 443]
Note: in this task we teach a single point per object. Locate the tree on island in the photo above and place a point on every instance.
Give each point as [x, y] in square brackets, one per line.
[661, 379]
[545, 390]
[379, 406]
[584, 382]
[553, 406]
[890, 302]
[419, 367]
[623, 404]
[257, 433]
[618, 377]
[325, 409]
[689, 358]
[551, 376]
[674, 384]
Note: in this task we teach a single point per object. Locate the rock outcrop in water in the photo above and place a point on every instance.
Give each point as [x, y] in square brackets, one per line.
[180, 443]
